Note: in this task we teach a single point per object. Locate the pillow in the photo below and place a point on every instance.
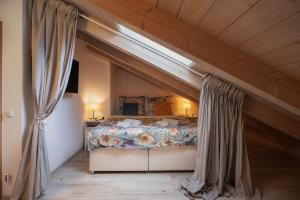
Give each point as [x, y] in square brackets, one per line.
[140, 100]
[162, 123]
[133, 122]
[171, 122]
[159, 105]
[130, 108]
[162, 108]
[123, 124]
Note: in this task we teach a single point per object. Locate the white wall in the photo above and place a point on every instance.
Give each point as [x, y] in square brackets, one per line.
[94, 86]
[65, 126]
[64, 131]
[12, 86]
[127, 83]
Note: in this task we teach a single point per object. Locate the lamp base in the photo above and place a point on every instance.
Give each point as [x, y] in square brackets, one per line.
[96, 118]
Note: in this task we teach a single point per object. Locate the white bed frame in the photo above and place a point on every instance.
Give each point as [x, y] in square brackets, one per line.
[169, 159]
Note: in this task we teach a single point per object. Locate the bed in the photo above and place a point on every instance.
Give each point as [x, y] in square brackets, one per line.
[148, 146]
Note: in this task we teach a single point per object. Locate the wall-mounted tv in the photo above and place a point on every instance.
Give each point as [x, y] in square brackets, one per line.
[72, 86]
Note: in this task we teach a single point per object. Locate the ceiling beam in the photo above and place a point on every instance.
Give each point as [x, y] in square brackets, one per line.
[251, 107]
[260, 80]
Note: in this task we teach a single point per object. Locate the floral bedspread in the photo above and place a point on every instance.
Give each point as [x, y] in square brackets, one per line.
[141, 137]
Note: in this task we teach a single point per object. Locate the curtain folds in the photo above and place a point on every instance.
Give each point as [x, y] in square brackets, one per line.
[53, 30]
[222, 166]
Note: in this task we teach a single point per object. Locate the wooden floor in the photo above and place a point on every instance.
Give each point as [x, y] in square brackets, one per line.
[72, 181]
[275, 173]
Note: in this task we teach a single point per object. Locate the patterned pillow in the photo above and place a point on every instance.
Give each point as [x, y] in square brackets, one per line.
[140, 100]
[162, 109]
[153, 105]
[130, 108]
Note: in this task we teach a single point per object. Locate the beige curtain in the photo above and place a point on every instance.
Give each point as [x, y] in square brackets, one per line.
[53, 30]
[222, 167]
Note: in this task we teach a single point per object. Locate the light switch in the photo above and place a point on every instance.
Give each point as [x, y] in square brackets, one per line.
[9, 114]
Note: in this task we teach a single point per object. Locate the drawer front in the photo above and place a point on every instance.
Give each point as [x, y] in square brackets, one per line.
[172, 159]
[118, 160]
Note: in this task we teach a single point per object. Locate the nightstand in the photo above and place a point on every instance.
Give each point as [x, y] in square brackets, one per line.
[88, 125]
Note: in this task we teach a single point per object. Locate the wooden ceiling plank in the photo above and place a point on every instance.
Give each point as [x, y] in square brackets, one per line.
[262, 16]
[251, 107]
[151, 2]
[193, 11]
[292, 69]
[226, 62]
[278, 36]
[222, 14]
[170, 6]
[262, 134]
[283, 55]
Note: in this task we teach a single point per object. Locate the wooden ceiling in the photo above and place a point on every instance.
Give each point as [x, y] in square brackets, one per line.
[268, 30]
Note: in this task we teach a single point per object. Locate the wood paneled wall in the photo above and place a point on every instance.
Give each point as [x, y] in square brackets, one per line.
[261, 134]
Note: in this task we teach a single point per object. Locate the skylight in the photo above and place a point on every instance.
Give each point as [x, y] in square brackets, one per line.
[155, 47]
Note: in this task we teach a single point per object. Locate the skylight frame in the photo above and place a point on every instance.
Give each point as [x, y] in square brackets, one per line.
[155, 47]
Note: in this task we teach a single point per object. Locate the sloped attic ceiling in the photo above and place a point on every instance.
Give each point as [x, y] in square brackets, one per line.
[264, 85]
[266, 30]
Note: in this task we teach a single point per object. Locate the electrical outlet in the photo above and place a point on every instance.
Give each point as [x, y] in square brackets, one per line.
[7, 178]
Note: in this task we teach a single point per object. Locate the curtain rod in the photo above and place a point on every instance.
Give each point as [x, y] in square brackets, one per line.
[118, 33]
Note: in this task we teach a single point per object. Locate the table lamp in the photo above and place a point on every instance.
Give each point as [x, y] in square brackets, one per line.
[186, 106]
[93, 107]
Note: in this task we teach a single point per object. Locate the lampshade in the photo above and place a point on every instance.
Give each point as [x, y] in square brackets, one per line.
[93, 106]
[186, 105]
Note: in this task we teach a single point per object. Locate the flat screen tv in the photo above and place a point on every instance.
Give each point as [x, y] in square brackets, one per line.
[72, 86]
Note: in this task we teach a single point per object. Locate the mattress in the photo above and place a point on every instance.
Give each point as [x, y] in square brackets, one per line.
[145, 136]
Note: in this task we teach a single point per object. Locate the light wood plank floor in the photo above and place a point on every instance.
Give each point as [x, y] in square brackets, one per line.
[72, 181]
[276, 174]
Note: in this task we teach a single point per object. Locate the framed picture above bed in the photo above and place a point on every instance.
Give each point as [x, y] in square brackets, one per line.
[142, 105]
[159, 106]
[129, 103]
